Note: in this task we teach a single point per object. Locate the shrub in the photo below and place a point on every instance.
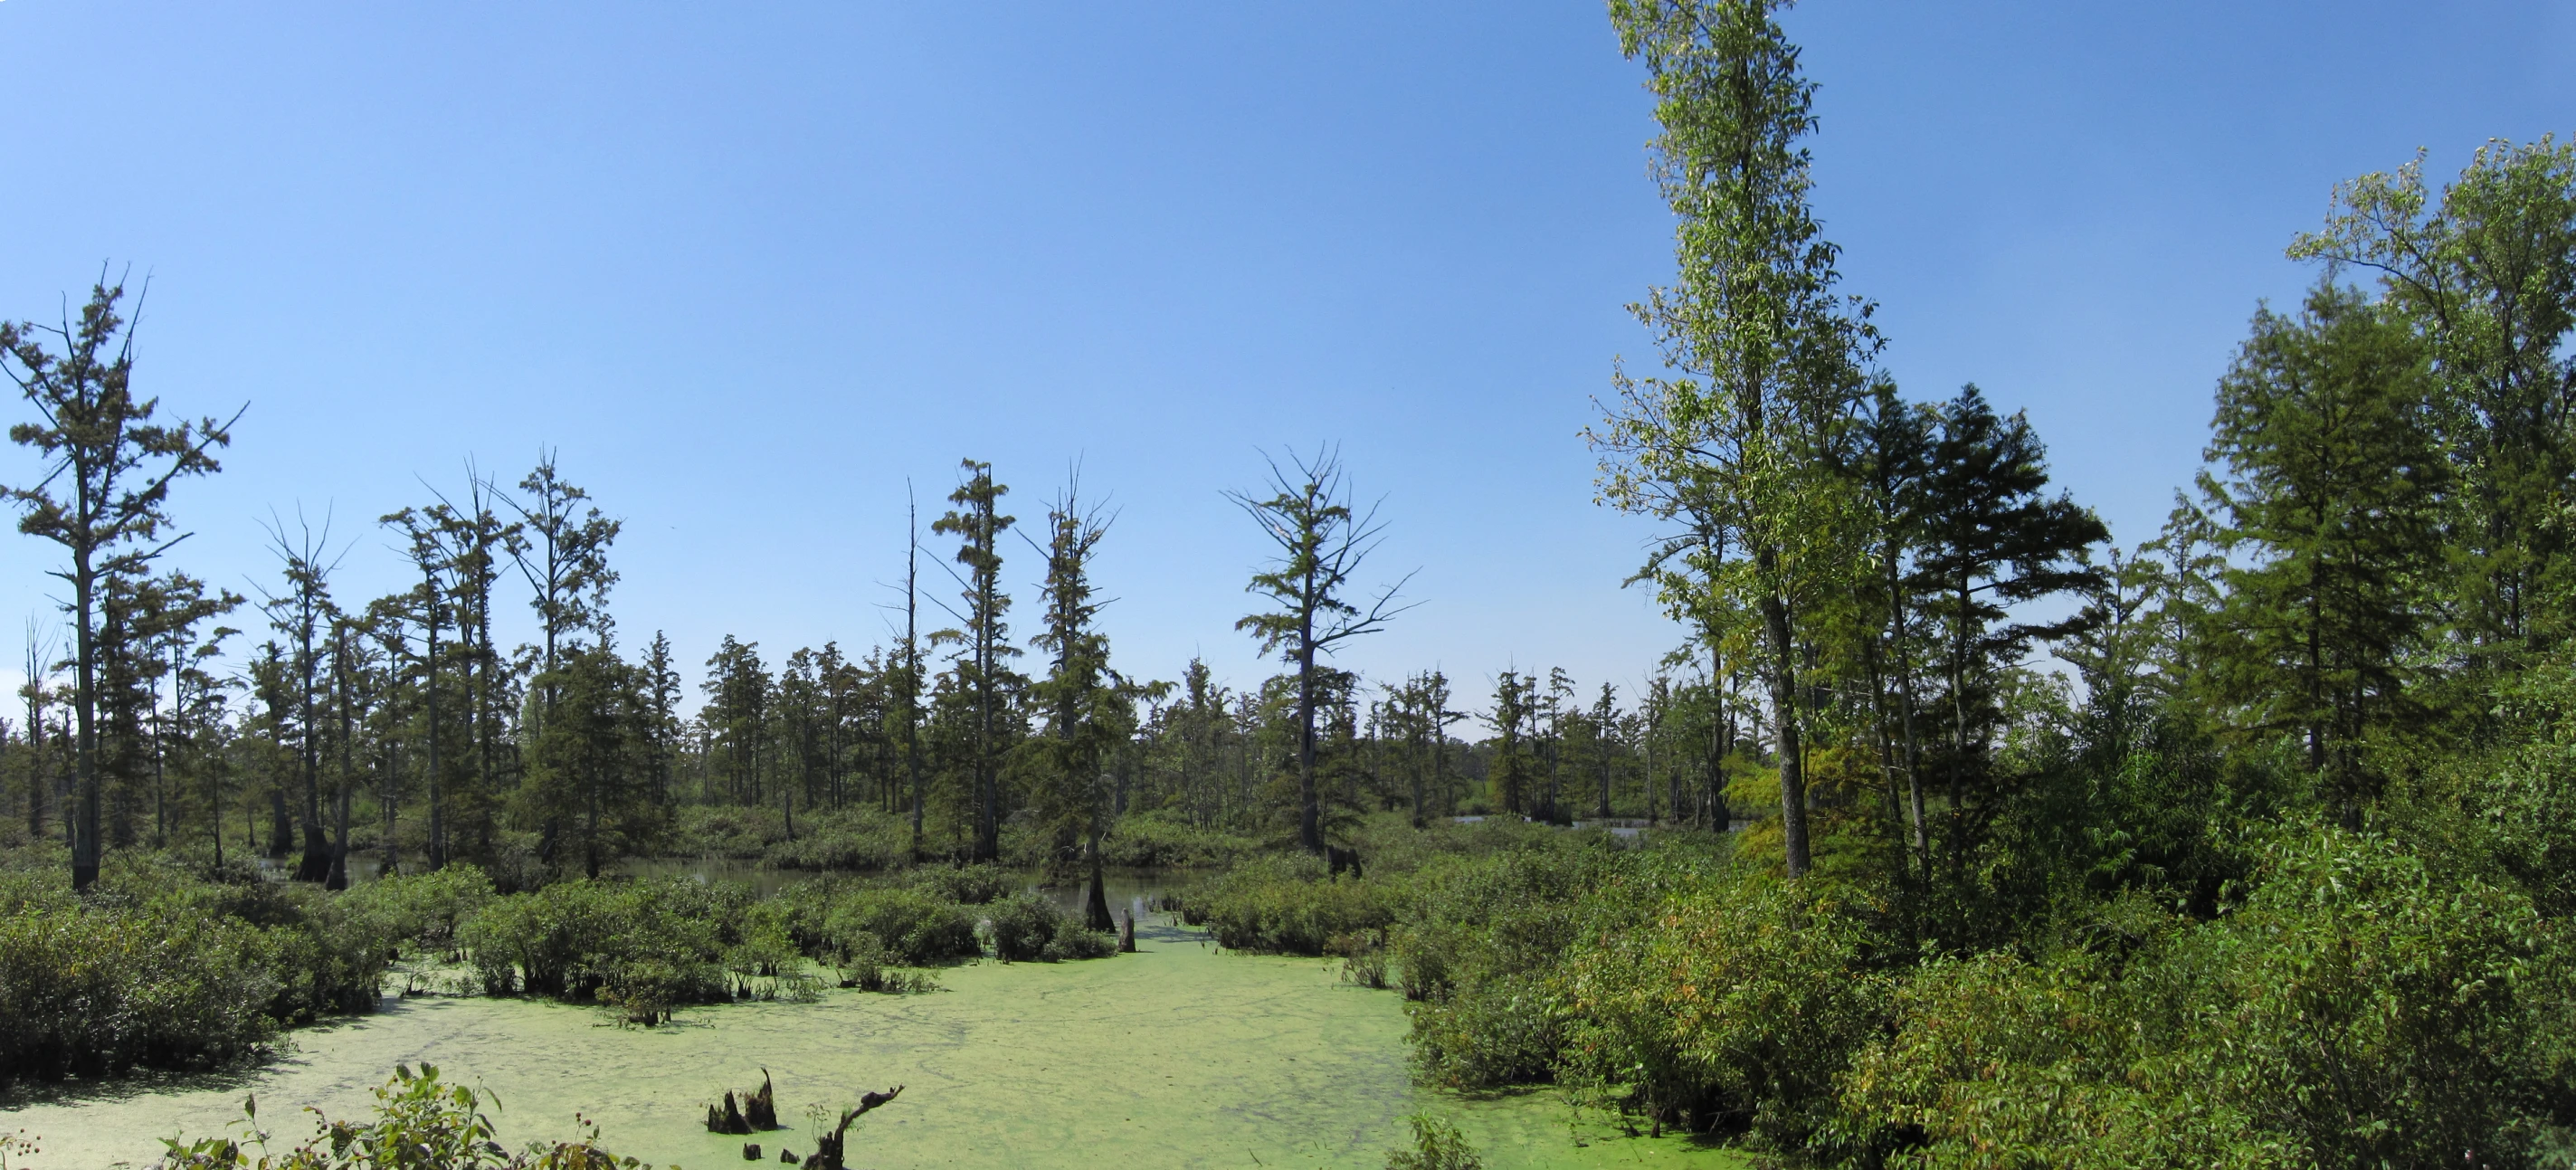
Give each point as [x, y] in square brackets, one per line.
[867, 966]
[1739, 1008]
[973, 885]
[1164, 839]
[915, 928]
[2358, 1009]
[1030, 928]
[155, 968]
[571, 939]
[420, 1121]
[1437, 1145]
[860, 838]
[1289, 905]
[424, 909]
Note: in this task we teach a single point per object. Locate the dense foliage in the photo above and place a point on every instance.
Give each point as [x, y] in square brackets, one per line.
[156, 968]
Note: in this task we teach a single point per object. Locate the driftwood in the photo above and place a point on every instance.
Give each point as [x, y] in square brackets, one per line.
[753, 1113]
[830, 1148]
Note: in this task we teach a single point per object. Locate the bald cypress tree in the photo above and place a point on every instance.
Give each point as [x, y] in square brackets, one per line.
[982, 636]
[1321, 542]
[108, 469]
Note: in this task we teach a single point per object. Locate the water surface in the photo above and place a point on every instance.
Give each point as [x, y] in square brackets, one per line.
[1180, 1056]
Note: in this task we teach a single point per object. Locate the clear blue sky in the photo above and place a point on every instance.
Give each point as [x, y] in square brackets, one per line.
[753, 267]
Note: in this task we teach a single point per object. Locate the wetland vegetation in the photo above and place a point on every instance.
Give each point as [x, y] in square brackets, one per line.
[1950, 833]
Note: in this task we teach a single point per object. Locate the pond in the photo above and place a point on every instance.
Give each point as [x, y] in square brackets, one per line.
[1178, 1056]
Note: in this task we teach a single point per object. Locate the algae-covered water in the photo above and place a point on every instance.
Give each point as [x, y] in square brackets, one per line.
[1177, 1056]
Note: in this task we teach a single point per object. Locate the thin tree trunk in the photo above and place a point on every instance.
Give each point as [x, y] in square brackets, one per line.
[1784, 718]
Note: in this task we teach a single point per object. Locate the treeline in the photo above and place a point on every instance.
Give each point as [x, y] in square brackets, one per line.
[305, 725]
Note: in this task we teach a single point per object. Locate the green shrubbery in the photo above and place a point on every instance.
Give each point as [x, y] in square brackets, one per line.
[2356, 1010]
[833, 918]
[571, 939]
[1029, 928]
[1288, 904]
[425, 910]
[2342, 998]
[1164, 839]
[973, 885]
[855, 839]
[155, 968]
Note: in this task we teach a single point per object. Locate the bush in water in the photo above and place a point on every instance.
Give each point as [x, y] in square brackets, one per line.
[570, 939]
[858, 838]
[1437, 1145]
[1030, 928]
[423, 909]
[1289, 905]
[1163, 838]
[974, 885]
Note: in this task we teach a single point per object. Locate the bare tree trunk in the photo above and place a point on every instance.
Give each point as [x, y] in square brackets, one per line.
[1784, 717]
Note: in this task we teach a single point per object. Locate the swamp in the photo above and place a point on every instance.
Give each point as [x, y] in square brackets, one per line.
[1763, 754]
[1178, 1055]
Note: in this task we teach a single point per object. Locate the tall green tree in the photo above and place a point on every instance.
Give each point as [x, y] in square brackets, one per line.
[2325, 483]
[1088, 710]
[983, 638]
[302, 613]
[1738, 442]
[1992, 541]
[108, 470]
[1321, 543]
[428, 606]
[2486, 274]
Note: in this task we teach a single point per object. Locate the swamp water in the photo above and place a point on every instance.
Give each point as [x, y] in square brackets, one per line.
[1177, 1056]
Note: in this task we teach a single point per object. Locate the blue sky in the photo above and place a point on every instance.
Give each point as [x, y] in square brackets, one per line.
[754, 268]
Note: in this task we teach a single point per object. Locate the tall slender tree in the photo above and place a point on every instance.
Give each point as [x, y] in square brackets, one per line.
[1741, 443]
[982, 636]
[108, 470]
[1321, 544]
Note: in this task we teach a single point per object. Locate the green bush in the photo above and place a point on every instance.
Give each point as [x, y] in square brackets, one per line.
[725, 830]
[1737, 1009]
[154, 968]
[1029, 928]
[2357, 1009]
[973, 885]
[571, 939]
[1437, 1145]
[915, 928]
[853, 839]
[912, 924]
[423, 909]
[1289, 905]
[1164, 839]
